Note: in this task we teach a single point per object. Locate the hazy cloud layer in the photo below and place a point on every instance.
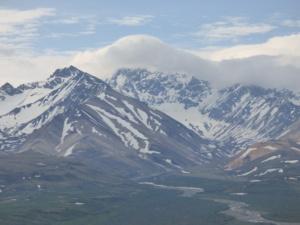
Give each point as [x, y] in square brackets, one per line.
[27, 68]
[287, 46]
[19, 26]
[231, 29]
[272, 68]
[131, 20]
[291, 23]
[20, 30]
[138, 51]
[11, 19]
[271, 64]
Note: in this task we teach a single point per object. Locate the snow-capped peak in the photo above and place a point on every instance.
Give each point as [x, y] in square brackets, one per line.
[236, 116]
[73, 112]
[7, 88]
[66, 72]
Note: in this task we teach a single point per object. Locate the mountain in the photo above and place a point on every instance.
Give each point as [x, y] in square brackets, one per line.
[234, 117]
[76, 115]
[268, 159]
[279, 157]
[30, 106]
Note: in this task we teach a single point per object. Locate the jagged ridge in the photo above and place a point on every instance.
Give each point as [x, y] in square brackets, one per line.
[233, 117]
[74, 114]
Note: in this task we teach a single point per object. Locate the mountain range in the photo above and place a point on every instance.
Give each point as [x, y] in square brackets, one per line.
[73, 114]
[279, 157]
[139, 123]
[234, 117]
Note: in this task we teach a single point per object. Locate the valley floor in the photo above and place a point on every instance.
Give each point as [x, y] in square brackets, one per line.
[204, 197]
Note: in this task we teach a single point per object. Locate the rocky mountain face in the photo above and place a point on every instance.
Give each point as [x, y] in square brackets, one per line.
[268, 159]
[279, 157]
[73, 114]
[76, 115]
[233, 117]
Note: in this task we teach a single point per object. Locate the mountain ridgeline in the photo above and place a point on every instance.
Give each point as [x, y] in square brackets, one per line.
[73, 114]
[138, 122]
[233, 117]
[147, 148]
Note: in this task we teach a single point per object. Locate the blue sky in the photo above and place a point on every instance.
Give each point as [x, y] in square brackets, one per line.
[35, 33]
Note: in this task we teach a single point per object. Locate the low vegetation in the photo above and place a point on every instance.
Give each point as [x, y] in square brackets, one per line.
[43, 190]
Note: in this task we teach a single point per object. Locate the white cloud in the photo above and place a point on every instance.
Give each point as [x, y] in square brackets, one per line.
[231, 29]
[149, 52]
[74, 19]
[291, 23]
[131, 20]
[138, 51]
[19, 27]
[24, 68]
[21, 22]
[143, 51]
[265, 71]
[89, 21]
[286, 48]
[12, 16]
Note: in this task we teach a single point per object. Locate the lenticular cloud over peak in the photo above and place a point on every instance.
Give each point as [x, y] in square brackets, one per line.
[143, 51]
[138, 51]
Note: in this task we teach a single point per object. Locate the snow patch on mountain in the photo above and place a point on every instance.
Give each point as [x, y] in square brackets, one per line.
[130, 136]
[271, 158]
[247, 173]
[247, 152]
[234, 117]
[296, 149]
[271, 148]
[291, 161]
[284, 133]
[95, 131]
[69, 151]
[66, 129]
[171, 163]
[270, 171]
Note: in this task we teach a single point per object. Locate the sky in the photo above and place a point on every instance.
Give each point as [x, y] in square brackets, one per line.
[225, 42]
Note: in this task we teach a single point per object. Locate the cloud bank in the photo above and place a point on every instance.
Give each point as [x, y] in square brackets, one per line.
[140, 51]
[285, 46]
[273, 64]
[26, 68]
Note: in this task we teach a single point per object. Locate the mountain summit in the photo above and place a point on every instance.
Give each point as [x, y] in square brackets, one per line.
[74, 114]
[234, 117]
